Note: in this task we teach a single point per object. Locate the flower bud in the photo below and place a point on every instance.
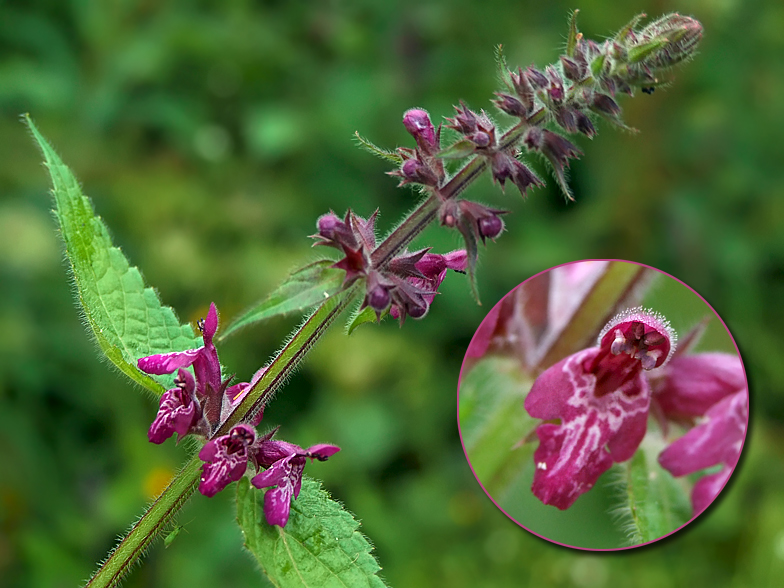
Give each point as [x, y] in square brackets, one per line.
[603, 104]
[379, 299]
[675, 38]
[567, 119]
[485, 222]
[523, 88]
[573, 70]
[465, 121]
[480, 139]
[417, 122]
[415, 171]
[584, 124]
[536, 78]
[556, 88]
[334, 232]
[327, 224]
[510, 105]
[490, 227]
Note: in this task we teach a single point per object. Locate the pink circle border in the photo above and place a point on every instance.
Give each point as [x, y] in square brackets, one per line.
[628, 547]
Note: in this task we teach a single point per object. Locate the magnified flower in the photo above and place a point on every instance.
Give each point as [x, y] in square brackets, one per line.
[597, 403]
[718, 439]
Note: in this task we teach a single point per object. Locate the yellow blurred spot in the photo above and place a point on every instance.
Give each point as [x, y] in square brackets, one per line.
[156, 481]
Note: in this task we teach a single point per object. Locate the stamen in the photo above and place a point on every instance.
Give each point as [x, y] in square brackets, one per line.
[619, 345]
[648, 359]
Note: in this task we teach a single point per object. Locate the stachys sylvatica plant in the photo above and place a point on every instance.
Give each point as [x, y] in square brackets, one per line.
[279, 510]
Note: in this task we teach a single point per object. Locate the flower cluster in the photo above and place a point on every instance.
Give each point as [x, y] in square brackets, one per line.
[409, 282]
[567, 97]
[596, 402]
[226, 459]
[201, 401]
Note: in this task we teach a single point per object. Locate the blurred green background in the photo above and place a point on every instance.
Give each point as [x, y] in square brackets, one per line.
[211, 136]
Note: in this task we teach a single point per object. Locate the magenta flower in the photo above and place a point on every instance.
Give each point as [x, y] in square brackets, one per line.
[711, 387]
[415, 294]
[600, 398]
[691, 384]
[286, 462]
[718, 440]
[209, 387]
[179, 410]
[226, 459]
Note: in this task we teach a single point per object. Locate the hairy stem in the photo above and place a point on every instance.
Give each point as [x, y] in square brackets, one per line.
[426, 212]
[288, 358]
[158, 515]
[147, 528]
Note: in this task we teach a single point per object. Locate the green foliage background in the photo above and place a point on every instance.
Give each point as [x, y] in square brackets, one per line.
[210, 137]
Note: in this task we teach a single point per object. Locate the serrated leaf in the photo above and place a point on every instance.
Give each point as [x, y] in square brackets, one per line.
[126, 317]
[366, 315]
[494, 422]
[304, 288]
[653, 503]
[319, 546]
[371, 147]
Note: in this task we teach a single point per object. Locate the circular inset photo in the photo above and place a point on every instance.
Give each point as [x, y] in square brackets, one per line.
[602, 405]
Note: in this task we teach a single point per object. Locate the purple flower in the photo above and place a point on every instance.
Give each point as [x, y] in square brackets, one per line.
[691, 384]
[712, 388]
[179, 410]
[209, 387]
[226, 459]
[415, 294]
[601, 398]
[286, 462]
[717, 440]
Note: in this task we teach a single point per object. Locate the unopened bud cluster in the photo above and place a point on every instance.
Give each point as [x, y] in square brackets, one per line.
[563, 99]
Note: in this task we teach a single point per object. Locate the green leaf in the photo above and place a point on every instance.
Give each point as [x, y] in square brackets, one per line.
[366, 315]
[494, 422]
[303, 289]
[126, 318]
[472, 254]
[571, 40]
[596, 65]
[621, 35]
[378, 151]
[319, 546]
[459, 150]
[640, 52]
[503, 68]
[653, 503]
